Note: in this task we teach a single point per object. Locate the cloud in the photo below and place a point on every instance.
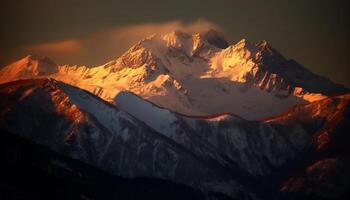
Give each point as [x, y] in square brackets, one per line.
[61, 47]
[137, 32]
[102, 46]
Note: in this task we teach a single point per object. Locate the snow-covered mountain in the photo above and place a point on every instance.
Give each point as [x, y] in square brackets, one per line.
[200, 74]
[220, 155]
[28, 67]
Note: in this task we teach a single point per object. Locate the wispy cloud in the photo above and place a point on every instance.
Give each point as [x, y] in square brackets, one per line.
[101, 46]
[61, 47]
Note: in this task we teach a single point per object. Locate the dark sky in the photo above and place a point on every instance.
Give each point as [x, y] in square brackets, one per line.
[313, 32]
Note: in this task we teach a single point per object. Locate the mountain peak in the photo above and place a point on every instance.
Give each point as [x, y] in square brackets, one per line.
[28, 67]
[34, 57]
[263, 43]
[265, 47]
[177, 39]
[215, 38]
[159, 47]
[212, 36]
[243, 43]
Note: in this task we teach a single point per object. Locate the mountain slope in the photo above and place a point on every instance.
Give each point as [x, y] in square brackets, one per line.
[59, 177]
[303, 152]
[77, 124]
[201, 74]
[222, 154]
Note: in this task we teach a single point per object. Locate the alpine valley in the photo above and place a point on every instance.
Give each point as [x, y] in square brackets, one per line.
[181, 116]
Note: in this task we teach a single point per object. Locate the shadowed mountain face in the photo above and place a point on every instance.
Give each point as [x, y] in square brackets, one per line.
[299, 154]
[215, 39]
[32, 171]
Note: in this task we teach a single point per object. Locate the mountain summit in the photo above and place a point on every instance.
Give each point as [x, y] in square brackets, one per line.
[28, 67]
